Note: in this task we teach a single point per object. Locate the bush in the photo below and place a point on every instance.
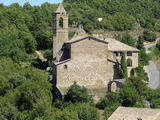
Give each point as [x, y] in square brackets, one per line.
[109, 100]
[89, 28]
[140, 42]
[109, 111]
[86, 112]
[143, 58]
[149, 36]
[65, 114]
[141, 73]
[129, 95]
[128, 39]
[153, 97]
[77, 93]
[139, 85]
[49, 55]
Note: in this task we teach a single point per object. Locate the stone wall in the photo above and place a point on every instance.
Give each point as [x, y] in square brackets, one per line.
[88, 66]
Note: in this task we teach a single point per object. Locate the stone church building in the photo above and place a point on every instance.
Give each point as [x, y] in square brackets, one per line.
[89, 61]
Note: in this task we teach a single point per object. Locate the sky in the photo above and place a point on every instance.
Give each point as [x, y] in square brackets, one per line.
[32, 2]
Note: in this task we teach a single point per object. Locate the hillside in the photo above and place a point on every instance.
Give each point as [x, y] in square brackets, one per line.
[27, 90]
[117, 15]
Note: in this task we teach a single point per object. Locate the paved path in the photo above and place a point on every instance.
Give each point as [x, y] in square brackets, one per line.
[153, 73]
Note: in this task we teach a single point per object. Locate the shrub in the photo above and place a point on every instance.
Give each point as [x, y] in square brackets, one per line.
[109, 100]
[77, 93]
[153, 97]
[89, 28]
[129, 95]
[128, 39]
[149, 36]
[140, 42]
[86, 112]
[109, 110]
[141, 73]
[143, 58]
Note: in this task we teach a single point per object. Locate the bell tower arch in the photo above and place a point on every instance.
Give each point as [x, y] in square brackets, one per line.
[60, 30]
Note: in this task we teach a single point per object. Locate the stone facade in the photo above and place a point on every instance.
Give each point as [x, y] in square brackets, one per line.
[88, 65]
[91, 62]
[131, 59]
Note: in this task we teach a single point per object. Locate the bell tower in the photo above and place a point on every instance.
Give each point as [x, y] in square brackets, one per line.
[60, 30]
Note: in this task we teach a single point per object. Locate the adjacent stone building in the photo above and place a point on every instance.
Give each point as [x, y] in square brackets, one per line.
[124, 113]
[87, 60]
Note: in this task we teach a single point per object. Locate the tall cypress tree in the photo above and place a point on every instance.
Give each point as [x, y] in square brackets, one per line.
[124, 72]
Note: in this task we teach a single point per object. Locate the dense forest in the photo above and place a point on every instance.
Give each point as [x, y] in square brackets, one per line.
[26, 91]
[117, 15]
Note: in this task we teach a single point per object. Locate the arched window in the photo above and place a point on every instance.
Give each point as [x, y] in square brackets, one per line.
[61, 22]
[129, 62]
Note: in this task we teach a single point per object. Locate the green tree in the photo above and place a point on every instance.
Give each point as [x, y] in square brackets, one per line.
[140, 42]
[149, 36]
[153, 97]
[124, 72]
[86, 111]
[77, 93]
[129, 95]
[109, 100]
[143, 58]
[128, 39]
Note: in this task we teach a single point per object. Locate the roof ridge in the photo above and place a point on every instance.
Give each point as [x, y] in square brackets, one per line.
[85, 37]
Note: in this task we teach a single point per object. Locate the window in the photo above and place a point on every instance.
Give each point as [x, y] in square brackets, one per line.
[65, 67]
[116, 53]
[129, 53]
[61, 22]
[129, 62]
[120, 53]
[139, 118]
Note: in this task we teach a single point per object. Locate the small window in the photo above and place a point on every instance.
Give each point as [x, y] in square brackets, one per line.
[129, 62]
[65, 67]
[139, 118]
[61, 22]
[116, 53]
[120, 53]
[129, 53]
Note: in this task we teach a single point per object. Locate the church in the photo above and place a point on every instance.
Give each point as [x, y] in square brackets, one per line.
[89, 61]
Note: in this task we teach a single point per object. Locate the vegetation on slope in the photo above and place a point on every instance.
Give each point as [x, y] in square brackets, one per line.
[117, 15]
[25, 91]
